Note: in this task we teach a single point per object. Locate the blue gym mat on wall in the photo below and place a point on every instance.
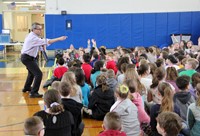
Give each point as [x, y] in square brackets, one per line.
[128, 30]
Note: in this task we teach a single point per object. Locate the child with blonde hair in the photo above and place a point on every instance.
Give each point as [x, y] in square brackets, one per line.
[112, 125]
[76, 92]
[33, 126]
[190, 66]
[55, 85]
[111, 64]
[127, 111]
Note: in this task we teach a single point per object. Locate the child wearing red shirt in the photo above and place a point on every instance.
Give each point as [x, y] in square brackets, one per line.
[111, 64]
[60, 70]
[57, 73]
[86, 67]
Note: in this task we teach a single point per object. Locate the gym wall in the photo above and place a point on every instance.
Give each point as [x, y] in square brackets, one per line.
[127, 23]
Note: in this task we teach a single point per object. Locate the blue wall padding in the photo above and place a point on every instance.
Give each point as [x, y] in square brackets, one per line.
[161, 30]
[149, 29]
[128, 30]
[195, 26]
[185, 26]
[1, 21]
[137, 30]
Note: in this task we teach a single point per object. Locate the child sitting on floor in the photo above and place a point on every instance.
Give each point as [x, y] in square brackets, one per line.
[127, 111]
[72, 106]
[57, 121]
[101, 99]
[112, 125]
[168, 124]
[111, 81]
[33, 126]
[57, 73]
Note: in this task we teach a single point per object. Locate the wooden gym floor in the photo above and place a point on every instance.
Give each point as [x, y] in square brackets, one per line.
[16, 106]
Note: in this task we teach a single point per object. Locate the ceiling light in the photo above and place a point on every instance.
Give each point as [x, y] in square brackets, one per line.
[29, 5]
[42, 2]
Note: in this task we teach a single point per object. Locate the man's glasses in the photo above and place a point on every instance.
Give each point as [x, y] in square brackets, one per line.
[38, 29]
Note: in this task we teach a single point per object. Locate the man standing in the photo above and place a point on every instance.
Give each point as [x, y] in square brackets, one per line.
[29, 52]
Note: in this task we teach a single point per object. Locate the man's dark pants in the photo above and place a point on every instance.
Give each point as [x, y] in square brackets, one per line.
[34, 73]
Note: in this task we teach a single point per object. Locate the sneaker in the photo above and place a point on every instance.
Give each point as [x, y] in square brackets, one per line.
[88, 111]
[36, 95]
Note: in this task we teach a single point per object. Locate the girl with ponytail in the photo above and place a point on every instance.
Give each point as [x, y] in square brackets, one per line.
[165, 93]
[158, 77]
[167, 104]
[101, 99]
[127, 111]
[57, 121]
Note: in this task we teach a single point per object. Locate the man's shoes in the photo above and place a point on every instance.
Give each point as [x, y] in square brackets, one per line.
[26, 90]
[36, 95]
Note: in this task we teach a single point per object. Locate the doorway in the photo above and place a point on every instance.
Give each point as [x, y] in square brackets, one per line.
[20, 23]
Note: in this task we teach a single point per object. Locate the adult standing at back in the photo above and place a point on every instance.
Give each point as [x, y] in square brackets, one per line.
[29, 51]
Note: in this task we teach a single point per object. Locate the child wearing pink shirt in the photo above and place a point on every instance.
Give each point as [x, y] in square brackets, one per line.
[137, 100]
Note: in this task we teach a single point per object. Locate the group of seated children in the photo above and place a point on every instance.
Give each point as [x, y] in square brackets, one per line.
[136, 91]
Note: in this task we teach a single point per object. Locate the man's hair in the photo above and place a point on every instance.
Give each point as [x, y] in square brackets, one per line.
[33, 125]
[34, 25]
[112, 121]
[170, 122]
[182, 82]
[65, 89]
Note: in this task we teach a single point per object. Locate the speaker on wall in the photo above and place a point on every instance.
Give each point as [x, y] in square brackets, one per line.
[12, 5]
[68, 24]
[63, 12]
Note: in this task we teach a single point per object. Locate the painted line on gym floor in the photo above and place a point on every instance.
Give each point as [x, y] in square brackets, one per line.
[11, 124]
[19, 105]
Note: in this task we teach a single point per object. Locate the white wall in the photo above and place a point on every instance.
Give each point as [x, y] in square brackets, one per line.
[8, 20]
[1, 6]
[120, 6]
